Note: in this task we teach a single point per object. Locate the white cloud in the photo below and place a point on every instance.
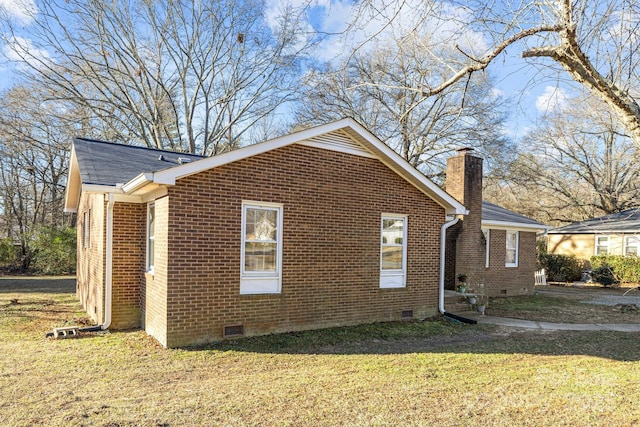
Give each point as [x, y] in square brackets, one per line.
[24, 11]
[380, 21]
[18, 49]
[553, 98]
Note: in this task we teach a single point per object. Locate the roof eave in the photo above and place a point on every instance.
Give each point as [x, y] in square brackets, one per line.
[508, 225]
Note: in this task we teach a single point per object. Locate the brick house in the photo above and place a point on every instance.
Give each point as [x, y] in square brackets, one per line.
[497, 247]
[319, 228]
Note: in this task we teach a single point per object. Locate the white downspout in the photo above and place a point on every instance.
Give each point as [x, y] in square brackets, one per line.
[108, 286]
[443, 239]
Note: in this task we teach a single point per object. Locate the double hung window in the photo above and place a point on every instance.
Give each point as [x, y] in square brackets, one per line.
[393, 251]
[261, 255]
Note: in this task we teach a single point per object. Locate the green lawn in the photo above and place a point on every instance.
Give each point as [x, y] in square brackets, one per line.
[415, 373]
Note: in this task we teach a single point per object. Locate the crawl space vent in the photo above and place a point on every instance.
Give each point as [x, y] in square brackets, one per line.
[230, 331]
[407, 314]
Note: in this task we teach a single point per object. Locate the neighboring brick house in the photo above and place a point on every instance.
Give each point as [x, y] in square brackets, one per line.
[614, 234]
[491, 245]
[319, 228]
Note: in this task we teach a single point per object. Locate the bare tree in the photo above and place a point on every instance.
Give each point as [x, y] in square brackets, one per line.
[185, 75]
[595, 42]
[576, 164]
[375, 87]
[34, 141]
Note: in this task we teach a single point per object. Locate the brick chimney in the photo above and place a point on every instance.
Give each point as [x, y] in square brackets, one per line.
[464, 182]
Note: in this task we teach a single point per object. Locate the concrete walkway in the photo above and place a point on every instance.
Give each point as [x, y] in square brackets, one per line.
[529, 324]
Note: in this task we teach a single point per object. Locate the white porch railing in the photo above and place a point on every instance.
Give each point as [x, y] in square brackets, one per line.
[541, 279]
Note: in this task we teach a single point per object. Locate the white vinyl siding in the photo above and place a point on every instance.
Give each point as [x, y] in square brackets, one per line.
[512, 241]
[393, 251]
[261, 251]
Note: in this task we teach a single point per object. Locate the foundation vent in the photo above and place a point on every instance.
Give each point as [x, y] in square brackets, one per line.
[231, 331]
[407, 314]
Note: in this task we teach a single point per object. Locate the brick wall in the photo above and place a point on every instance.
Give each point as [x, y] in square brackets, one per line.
[501, 280]
[90, 259]
[129, 246]
[332, 211]
[154, 286]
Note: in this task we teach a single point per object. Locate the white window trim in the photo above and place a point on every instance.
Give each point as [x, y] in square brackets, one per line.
[595, 245]
[512, 264]
[86, 223]
[261, 282]
[626, 244]
[150, 266]
[487, 239]
[394, 278]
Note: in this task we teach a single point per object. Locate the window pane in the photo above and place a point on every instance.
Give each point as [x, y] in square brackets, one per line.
[261, 224]
[392, 231]
[511, 256]
[152, 220]
[260, 256]
[511, 240]
[392, 258]
[632, 250]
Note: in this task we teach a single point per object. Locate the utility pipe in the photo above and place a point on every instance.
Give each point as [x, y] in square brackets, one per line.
[443, 239]
[108, 286]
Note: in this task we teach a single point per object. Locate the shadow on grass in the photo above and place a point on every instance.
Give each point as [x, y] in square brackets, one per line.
[439, 337]
[51, 285]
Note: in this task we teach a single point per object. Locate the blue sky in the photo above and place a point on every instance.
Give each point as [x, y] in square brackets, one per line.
[511, 74]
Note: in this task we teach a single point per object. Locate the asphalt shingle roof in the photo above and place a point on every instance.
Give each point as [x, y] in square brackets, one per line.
[107, 163]
[621, 222]
[491, 212]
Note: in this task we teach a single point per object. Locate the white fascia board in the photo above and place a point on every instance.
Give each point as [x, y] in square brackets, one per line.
[101, 189]
[138, 182]
[169, 176]
[629, 231]
[366, 139]
[74, 185]
[505, 225]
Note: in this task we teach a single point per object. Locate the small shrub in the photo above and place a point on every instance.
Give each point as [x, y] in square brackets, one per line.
[625, 269]
[8, 252]
[604, 275]
[561, 268]
[55, 251]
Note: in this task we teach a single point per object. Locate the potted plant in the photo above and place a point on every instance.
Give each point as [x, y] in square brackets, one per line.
[462, 277]
[462, 287]
[481, 304]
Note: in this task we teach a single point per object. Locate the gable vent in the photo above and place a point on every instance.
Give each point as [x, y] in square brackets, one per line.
[231, 331]
[337, 141]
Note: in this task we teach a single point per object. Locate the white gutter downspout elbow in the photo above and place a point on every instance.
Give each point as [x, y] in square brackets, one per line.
[443, 239]
[108, 279]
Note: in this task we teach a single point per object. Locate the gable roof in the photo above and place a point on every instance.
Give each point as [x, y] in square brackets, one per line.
[620, 222]
[107, 163]
[494, 216]
[110, 168]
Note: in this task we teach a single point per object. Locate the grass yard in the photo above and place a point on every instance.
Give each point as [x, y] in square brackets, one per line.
[397, 374]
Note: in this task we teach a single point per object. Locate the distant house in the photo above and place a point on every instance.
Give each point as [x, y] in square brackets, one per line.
[323, 227]
[613, 234]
